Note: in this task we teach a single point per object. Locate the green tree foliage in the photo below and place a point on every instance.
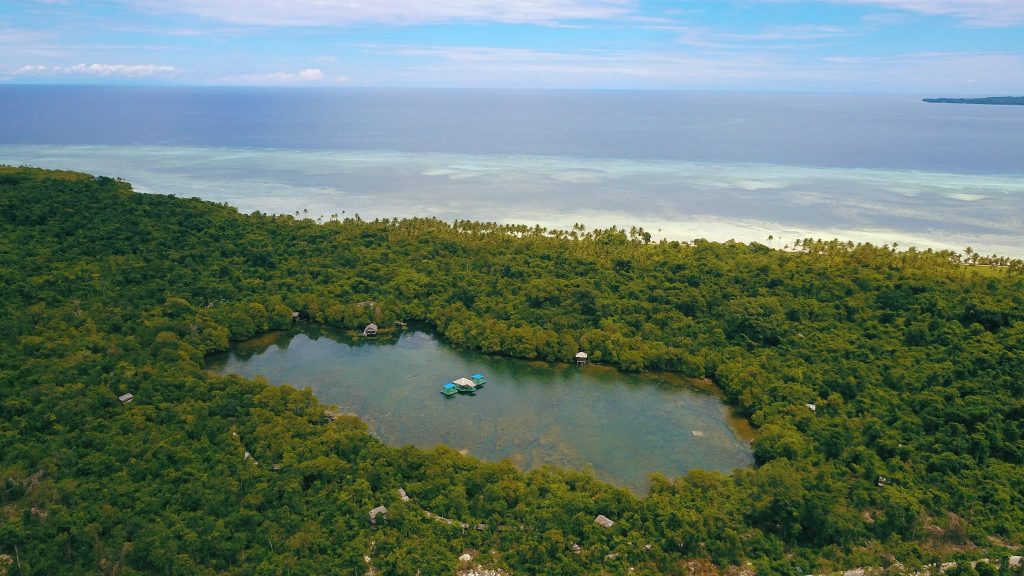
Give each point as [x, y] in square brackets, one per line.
[911, 361]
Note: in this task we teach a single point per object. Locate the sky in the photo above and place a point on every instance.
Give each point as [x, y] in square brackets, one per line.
[931, 47]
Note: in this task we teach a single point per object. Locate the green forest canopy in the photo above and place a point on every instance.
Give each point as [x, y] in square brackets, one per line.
[997, 100]
[913, 359]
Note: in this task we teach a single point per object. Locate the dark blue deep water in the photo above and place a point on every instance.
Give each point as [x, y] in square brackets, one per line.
[825, 130]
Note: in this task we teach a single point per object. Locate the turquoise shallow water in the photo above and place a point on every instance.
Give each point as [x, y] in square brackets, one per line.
[673, 199]
[620, 426]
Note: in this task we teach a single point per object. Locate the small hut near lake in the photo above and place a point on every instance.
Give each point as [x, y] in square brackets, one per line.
[370, 330]
[378, 510]
[604, 521]
[581, 358]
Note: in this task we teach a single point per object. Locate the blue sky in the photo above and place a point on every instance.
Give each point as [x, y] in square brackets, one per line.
[914, 46]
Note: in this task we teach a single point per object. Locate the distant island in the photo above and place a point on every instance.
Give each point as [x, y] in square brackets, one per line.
[998, 100]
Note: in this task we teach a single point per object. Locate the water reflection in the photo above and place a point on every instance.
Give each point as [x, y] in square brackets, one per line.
[620, 426]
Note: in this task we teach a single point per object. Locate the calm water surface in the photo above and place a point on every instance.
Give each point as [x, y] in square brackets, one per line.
[683, 165]
[620, 426]
[824, 130]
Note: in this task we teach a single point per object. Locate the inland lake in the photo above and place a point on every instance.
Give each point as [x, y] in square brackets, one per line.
[620, 426]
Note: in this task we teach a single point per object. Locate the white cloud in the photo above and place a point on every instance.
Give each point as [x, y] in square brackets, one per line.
[544, 12]
[926, 73]
[14, 35]
[395, 12]
[31, 70]
[304, 76]
[716, 38]
[105, 70]
[310, 74]
[972, 12]
[130, 70]
[495, 55]
[513, 67]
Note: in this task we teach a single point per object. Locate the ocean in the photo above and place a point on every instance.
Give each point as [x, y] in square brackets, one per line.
[683, 165]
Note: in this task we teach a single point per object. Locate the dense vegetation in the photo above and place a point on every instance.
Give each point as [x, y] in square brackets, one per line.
[1000, 100]
[913, 360]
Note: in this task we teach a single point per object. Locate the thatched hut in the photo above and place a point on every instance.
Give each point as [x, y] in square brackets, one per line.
[604, 521]
[381, 510]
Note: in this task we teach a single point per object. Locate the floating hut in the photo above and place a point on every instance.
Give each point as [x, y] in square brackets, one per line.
[449, 389]
[604, 521]
[478, 379]
[378, 510]
[697, 433]
[465, 385]
[126, 398]
[581, 358]
[370, 330]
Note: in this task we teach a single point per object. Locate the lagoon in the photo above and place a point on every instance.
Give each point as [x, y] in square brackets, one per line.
[619, 426]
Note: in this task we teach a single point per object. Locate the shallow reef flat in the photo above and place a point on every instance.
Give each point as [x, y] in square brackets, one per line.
[675, 200]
